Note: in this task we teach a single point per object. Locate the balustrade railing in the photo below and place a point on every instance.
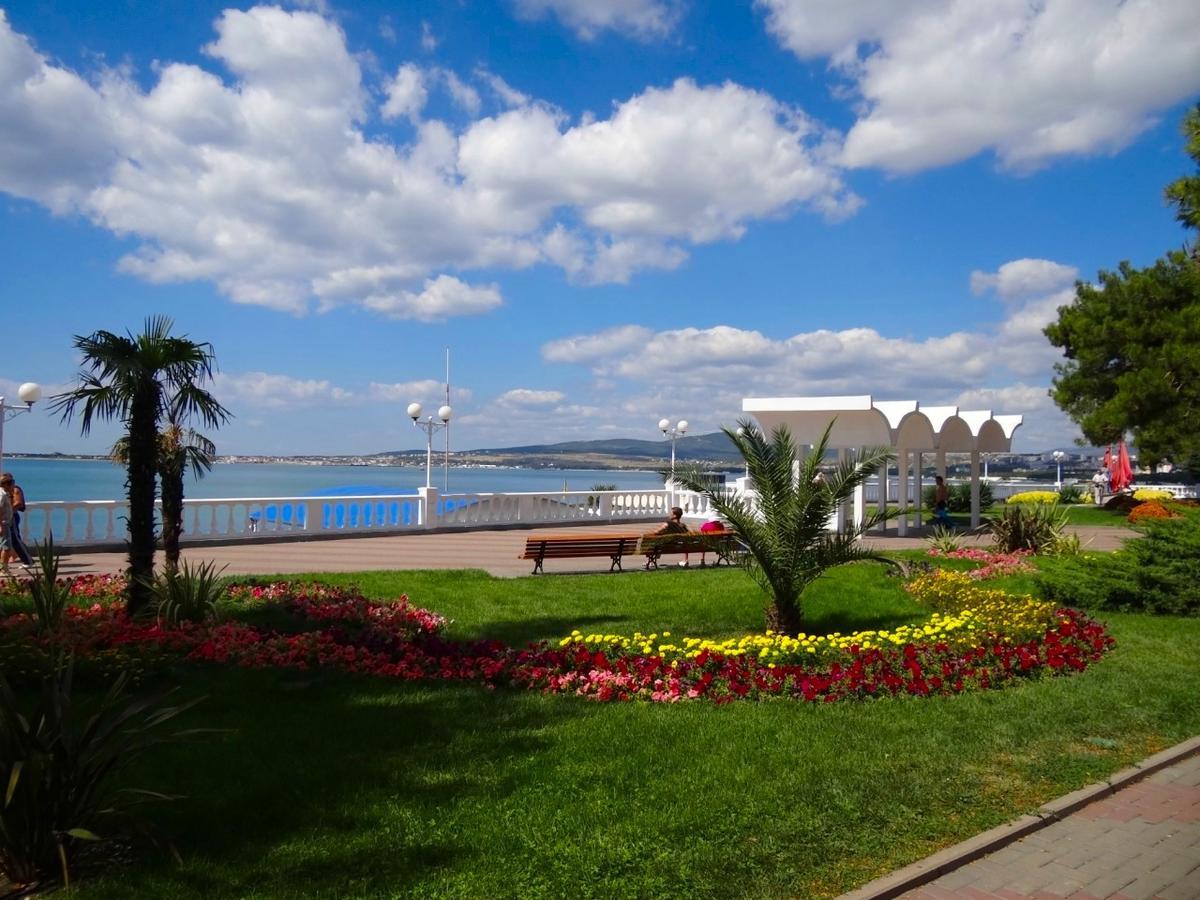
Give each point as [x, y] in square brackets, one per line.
[81, 522]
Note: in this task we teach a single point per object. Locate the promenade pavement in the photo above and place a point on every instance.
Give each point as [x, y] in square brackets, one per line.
[495, 551]
[1140, 841]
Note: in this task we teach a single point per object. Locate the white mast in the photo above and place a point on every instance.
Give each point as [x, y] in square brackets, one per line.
[446, 458]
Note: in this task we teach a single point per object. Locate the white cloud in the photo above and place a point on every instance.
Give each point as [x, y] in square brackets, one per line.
[263, 389]
[406, 94]
[595, 348]
[442, 297]
[429, 41]
[464, 96]
[1023, 278]
[266, 184]
[505, 92]
[524, 397]
[643, 19]
[422, 390]
[943, 80]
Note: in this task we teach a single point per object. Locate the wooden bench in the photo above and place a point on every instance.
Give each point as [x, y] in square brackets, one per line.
[724, 545]
[578, 546]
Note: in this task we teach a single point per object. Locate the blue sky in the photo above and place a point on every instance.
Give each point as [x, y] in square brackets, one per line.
[609, 212]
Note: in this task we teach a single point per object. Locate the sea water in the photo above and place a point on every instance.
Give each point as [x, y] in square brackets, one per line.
[90, 479]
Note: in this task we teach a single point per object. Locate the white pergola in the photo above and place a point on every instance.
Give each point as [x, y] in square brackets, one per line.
[906, 426]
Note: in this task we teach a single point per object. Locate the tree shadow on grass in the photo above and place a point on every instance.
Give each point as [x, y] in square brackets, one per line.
[326, 781]
[521, 631]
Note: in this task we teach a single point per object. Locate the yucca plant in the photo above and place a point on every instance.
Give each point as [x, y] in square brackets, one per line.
[1027, 526]
[189, 594]
[50, 597]
[57, 772]
[788, 544]
[944, 540]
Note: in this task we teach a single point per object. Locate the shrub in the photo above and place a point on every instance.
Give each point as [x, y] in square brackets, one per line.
[1152, 494]
[57, 765]
[1045, 497]
[1158, 572]
[959, 500]
[1027, 526]
[1070, 494]
[189, 594]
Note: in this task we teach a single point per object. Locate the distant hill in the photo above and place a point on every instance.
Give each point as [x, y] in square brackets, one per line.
[715, 447]
[699, 446]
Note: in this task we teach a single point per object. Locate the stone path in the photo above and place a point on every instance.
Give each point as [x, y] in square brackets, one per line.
[495, 551]
[1139, 842]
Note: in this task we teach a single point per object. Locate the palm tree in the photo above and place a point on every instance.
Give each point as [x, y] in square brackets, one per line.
[141, 380]
[785, 531]
[179, 449]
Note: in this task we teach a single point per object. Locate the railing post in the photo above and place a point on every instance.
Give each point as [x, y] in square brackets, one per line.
[429, 507]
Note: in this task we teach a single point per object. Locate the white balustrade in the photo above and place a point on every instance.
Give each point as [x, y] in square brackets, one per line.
[101, 522]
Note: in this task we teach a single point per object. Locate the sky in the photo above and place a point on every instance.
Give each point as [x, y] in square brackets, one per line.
[609, 213]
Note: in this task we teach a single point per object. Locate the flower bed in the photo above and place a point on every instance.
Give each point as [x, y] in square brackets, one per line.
[974, 639]
[1034, 497]
[1152, 494]
[1150, 509]
[993, 564]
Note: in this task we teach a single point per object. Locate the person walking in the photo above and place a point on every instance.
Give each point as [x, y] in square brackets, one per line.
[6, 517]
[941, 502]
[16, 496]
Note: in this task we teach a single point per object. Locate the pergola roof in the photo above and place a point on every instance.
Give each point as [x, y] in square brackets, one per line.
[861, 422]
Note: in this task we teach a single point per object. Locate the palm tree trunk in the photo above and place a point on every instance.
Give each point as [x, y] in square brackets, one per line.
[171, 481]
[143, 453]
[785, 617]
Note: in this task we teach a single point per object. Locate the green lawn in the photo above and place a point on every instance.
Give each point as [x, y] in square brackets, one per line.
[337, 786]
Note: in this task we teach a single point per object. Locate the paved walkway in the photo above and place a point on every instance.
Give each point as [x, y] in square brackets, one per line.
[494, 551]
[1139, 842]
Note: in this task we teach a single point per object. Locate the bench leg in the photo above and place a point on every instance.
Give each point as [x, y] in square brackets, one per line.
[537, 566]
[652, 560]
[616, 563]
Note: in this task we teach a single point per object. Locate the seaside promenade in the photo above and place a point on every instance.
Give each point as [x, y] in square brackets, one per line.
[493, 550]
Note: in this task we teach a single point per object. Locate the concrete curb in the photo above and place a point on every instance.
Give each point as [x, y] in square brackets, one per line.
[937, 865]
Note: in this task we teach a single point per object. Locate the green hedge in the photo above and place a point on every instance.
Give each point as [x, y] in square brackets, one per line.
[1158, 572]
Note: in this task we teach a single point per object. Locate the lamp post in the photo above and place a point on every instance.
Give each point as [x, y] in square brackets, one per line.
[429, 426]
[741, 432]
[1058, 458]
[30, 393]
[674, 432]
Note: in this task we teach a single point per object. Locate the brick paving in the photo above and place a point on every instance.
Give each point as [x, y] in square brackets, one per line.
[1140, 843]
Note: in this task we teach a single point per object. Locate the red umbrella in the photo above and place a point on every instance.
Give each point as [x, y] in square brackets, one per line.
[1122, 475]
[1108, 457]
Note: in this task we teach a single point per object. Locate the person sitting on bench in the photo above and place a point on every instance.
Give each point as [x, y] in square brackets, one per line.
[674, 525]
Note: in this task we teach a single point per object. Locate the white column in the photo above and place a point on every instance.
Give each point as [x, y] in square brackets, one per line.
[940, 462]
[919, 500]
[428, 514]
[902, 468]
[975, 518]
[860, 496]
[840, 520]
[881, 500]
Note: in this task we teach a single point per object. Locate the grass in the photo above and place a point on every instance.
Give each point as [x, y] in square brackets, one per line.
[1077, 514]
[334, 786]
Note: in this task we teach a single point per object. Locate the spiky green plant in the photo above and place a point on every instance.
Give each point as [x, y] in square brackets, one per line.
[57, 768]
[786, 530]
[189, 594]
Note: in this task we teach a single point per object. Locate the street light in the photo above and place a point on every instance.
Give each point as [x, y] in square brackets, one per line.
[30, 393]
[674, 432]
[429, 426]
[1058, 458]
